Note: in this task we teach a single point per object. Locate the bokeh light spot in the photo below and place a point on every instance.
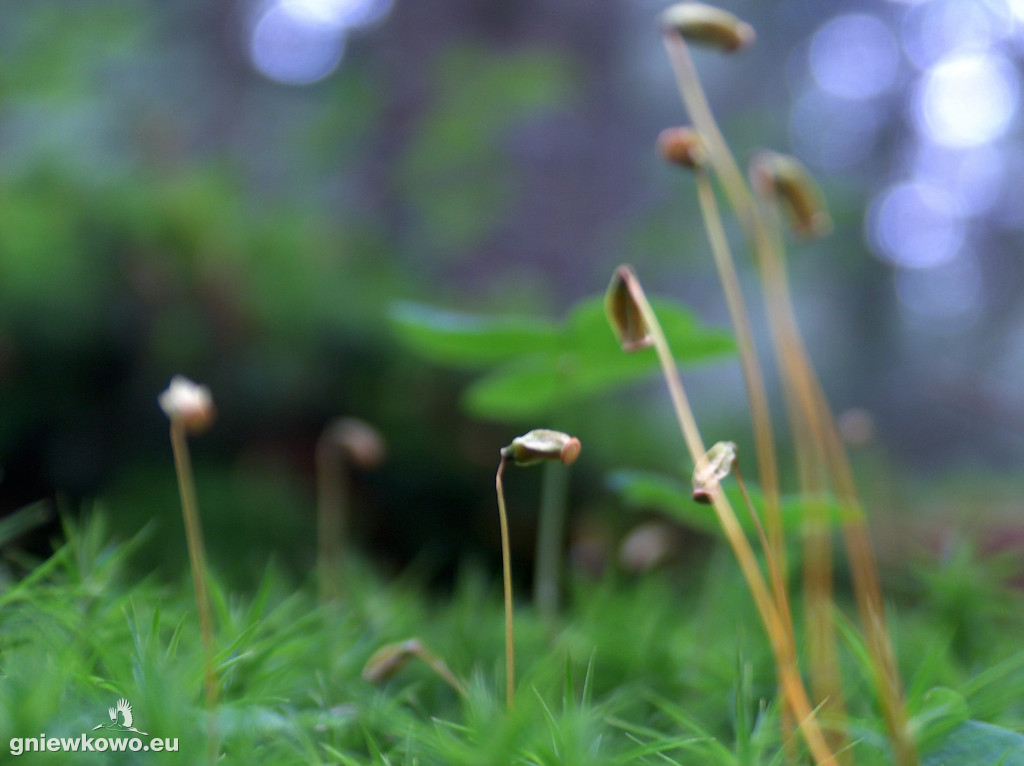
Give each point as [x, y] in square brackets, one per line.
[939, 28]
[951, 291]
[854, 56]
[915, 225]
[295, 48]
[833, 132]
[967, 99]
[340, 14]
[976, 175]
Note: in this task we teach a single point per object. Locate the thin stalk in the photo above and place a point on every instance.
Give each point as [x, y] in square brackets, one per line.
[794, 360]
[823, 658]
[440, 667]
[828, 448]
[197, 559]
[872, 613]
[822, 649]
[758, 527]
[550, 539]
[696, 102]
[789, 673]
[822, 646]
[806, 423]
[389, 659]
[775, 571]
[332, 512]
[757, 397]
[506, 570]
[760, 412]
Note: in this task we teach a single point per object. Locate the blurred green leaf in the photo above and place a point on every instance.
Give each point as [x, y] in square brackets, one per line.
[975, 742]
[690, 341]
[941, 711]
[465, 340]
[517, 391]
[588, 335]
[53, 284]
[540, 366]
[645, 490]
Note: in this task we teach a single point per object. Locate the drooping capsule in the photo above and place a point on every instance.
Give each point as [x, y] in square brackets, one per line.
[189, 403]
[542, 444]
[784, 178]
[682, 146]
[711, 468]
[388, 660]
[624, 314]
[708, 25]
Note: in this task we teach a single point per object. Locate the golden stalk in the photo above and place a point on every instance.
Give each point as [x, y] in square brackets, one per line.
[804, 391]
[778, 634]
[506, 570]
[196, 552]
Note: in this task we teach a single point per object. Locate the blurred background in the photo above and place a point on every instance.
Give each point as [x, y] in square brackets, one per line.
[240, 192]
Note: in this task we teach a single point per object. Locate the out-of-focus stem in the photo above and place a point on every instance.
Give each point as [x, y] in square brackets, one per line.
[800, 378]
[197, 560]
[828, 448]
[778, 635]
[696, 102]
[778, 585]
[869, 591]
[506, 569]
[805, 422]
[550, 538]
[440, 667]
[332, 515]
[760, 414]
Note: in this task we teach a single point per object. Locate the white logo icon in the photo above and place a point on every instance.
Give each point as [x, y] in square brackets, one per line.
[121, 721]
[124, 710]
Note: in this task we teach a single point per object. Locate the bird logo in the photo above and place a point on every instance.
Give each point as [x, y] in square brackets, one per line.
[122, 710]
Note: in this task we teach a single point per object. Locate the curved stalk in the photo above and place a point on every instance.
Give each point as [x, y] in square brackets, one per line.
[506, 570]
[785, 657]
[760, 413]
[805, 392]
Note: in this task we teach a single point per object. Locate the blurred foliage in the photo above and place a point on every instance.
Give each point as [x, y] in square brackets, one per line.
[112, 287]
[646, 491]
[540, 367]
[166, 210]
[459, 182]
[685, 681]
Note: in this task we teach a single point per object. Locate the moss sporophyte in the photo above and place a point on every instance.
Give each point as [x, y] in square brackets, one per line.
[345, 442]
[779, 181]
[542, 444]
[190, 408]
[707, 25]
[391, 658]
[534, 447]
